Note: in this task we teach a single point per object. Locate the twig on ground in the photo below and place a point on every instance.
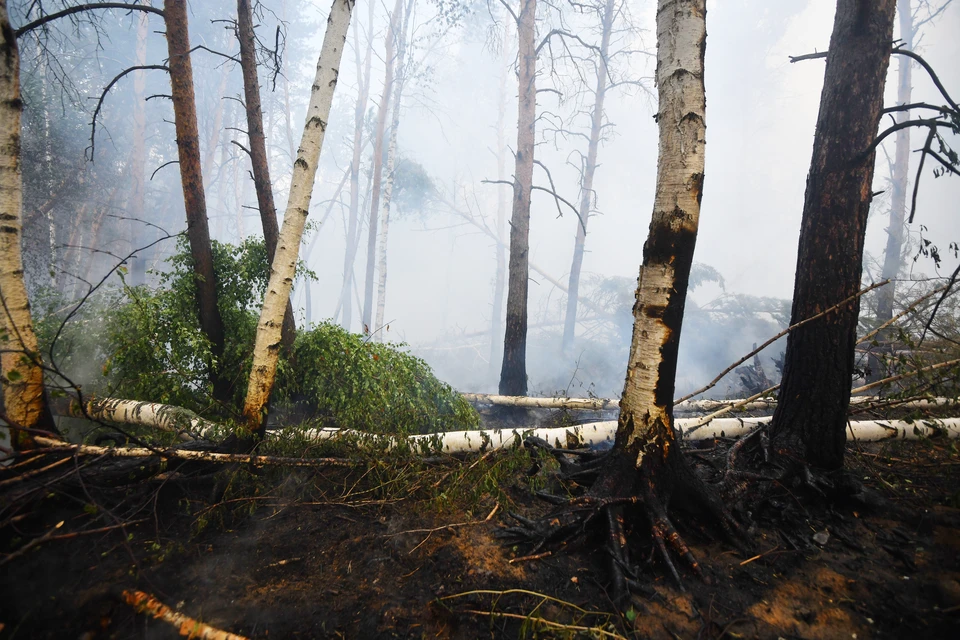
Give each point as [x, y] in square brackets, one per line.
[187, 626]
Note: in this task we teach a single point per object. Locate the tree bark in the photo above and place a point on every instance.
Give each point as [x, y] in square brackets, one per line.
[898, 182]
[401, 46]
[267, 346]
[499, 283]
[359, 115]
[389, 55]
[513, 372]
[586, 186]
[24, 400]
[138, 156]
[811, 417]
[258, 151]
[188, 150]
[646, 407]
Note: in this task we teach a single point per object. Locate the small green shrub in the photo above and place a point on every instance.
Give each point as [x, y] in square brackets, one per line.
[151, 348]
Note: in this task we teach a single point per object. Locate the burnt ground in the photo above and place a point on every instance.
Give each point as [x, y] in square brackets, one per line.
[391, 548]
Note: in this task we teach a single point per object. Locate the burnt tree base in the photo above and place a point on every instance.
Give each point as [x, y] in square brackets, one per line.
[621, 500]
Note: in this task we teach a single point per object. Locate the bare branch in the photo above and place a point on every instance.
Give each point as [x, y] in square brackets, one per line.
[39, 22]
[103, 96]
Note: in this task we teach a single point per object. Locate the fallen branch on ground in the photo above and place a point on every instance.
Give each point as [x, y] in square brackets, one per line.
[202, 456]
[186, 626]
[164, 417]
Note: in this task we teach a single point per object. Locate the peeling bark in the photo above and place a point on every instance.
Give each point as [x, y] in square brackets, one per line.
[811, 417]
[267, 346]
[24, 400]
[513, 372]
[188, 151]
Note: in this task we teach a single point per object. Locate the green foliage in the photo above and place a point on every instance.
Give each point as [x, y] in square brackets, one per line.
[351, 382]
[157, 352]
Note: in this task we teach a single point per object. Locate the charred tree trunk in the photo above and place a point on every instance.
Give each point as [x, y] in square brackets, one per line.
[586, 186]
[384, 110]
[811, 417]
[258, 151]
[513, 372]
[24, 399]
[353, 224]
[898, 182]
[267, 346]
[188, 150]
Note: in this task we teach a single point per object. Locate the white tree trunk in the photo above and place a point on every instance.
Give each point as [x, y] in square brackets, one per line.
[646, 415]
[267, 347]
[23, 393]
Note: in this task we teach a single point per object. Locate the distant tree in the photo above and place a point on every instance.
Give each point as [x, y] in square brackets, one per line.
[811, 417]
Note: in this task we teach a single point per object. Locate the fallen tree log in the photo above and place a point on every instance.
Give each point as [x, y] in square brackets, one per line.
[199, 456]
[687, 406]
[165, 417]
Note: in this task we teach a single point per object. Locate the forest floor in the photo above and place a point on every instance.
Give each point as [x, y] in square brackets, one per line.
[390, 549]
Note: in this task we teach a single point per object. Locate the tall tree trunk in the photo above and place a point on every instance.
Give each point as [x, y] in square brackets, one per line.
[389, 56]
[513, 372]
[499, 282]
[258, 151]
[216, 128]
[586, 185]
[899, 181]
[138, 155]
[188, 150]
[359, 116]
[811, 416]
[24, 401]
[267, 347]
[401, 46]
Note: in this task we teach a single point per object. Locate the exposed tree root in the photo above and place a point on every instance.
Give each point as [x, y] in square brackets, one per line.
[622, 500]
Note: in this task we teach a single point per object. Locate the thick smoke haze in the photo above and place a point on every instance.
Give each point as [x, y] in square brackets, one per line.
[761, 115]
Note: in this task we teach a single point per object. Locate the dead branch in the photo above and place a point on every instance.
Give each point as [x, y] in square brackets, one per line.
[39, 22]
[146, 604]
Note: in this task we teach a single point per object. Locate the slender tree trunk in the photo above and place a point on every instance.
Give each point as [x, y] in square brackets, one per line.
[216, 128]
[359, 116]
[586, 185]
[811, 417]
[499, 282]
[513, 372]
[188, 149]
[899, 182]
[267, 347]
[378, 164]
[401, 46]
[258, 150]
[138, 156]
[24, 401]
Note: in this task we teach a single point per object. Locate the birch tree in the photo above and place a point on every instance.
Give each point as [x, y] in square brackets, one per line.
[646, 466]
[24, 401]
[267, 345]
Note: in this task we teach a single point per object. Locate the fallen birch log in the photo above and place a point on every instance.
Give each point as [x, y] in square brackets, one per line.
[687, 406]
[164, 417]
[186, 626]
[599, 434]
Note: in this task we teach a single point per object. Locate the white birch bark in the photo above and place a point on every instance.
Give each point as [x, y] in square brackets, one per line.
[646, 405]
[267, 345]
[23, 394]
